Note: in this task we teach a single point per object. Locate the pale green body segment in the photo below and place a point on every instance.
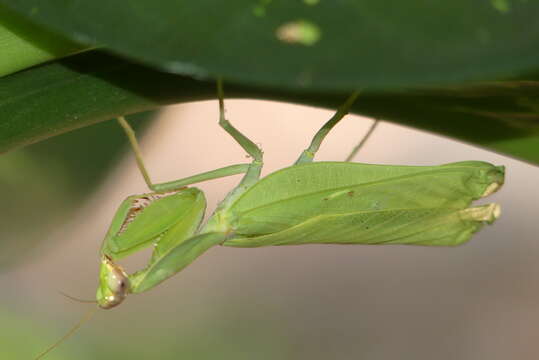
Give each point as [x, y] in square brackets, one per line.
[307, 203]
[439, 226]
[293, 195]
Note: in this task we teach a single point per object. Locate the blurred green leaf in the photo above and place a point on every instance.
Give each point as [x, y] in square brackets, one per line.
[22, 338]
[92, 87]
[24, 44]
[33, 192]
[348, 44]
[45, 183]
[88, 154]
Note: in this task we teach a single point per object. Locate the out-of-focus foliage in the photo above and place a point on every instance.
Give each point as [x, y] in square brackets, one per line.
[93, 87]
[24, 44]
[44, 184]
[22, 338]
[332, 46]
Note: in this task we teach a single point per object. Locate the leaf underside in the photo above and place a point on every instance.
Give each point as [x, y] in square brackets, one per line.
[315, 45]
[87, 88]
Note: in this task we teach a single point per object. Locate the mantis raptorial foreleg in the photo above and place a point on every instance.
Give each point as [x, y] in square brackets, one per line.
[175, 233]
[169, 219]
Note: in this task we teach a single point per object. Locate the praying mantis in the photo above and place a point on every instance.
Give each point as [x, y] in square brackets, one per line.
[306, 203]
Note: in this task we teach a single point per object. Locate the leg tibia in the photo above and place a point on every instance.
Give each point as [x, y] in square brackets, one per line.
[308, 154]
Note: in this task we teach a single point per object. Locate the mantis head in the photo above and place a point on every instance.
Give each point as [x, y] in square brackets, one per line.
[113, 284]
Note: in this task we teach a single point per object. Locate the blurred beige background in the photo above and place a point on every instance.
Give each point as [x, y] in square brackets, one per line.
[477, 301]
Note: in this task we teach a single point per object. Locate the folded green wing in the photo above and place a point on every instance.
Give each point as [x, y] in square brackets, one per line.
[294, 195]
[422, 226]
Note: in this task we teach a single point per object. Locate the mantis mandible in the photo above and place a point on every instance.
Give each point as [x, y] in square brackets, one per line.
[306, 203]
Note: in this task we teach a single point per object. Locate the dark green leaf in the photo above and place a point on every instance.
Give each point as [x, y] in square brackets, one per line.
[321, 45]
[24, 44]
[87, 88]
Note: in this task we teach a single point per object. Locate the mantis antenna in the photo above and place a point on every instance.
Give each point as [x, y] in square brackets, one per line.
[87, 316]
[85, 301]
[74, 329]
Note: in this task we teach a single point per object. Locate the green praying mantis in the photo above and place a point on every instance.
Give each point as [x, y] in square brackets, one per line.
[306, 203]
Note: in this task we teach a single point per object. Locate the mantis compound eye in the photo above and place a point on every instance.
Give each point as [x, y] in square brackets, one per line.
[114, 284]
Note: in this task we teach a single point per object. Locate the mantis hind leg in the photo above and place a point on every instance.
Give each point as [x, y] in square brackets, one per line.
[308, 154]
